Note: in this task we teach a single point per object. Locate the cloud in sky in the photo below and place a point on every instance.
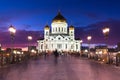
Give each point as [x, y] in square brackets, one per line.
[20, 38]
[95, 30]
[4, 20]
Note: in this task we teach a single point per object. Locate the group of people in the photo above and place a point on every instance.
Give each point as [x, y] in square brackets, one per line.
[55, 53]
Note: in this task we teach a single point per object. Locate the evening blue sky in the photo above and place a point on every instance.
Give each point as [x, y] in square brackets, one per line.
[33, 15]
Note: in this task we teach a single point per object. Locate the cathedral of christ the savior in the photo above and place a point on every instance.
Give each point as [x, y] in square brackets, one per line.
[59, 36]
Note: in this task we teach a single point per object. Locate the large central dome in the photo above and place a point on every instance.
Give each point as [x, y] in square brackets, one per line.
[59, 18]
[59, 24]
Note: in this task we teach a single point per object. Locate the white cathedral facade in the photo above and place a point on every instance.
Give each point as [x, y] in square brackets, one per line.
[59, 36]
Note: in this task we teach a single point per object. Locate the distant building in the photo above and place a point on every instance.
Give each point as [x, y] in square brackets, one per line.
[59, 36]
[101, 49]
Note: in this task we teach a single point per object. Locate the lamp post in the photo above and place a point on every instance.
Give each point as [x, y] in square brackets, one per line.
[12, 31]
[106, 31]
[1, 53]
[89, 39]
[29, 39]
[81, 41]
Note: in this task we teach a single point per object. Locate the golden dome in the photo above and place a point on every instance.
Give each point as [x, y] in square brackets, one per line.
[71, 27]
[59, 18]
[47, 27]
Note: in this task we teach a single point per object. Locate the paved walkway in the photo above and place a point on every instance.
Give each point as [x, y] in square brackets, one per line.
[66, 68]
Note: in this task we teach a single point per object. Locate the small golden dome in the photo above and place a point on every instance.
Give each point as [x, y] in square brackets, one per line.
[71, 27]
[47, 27]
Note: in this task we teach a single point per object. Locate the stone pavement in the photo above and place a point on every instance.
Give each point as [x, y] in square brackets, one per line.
[66, 68]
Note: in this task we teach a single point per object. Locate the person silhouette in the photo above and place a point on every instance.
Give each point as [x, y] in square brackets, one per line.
[56, 55]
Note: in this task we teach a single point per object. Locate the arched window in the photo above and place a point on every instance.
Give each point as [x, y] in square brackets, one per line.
[41, 46]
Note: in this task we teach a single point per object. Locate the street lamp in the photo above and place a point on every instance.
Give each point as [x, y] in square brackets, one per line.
[12, 34]
[12, 31]
[89, 39]
[106, 31]
[81, 41]
[29, 39]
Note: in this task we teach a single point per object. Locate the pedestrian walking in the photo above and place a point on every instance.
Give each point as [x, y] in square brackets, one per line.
[56, 55]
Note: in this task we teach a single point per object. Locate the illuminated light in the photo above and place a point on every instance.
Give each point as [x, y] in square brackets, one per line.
[103, 60]
[89, 38]
[59, 21]
[98, 59]
[33, 50]
[29, 37]
[14, 51]
[37, 41]
[7, 54]
[24, 48]
[106, 30]
[18, 52]
[12, 29]
[2, 49]
[96, 52]
[22, 53]
[100, 52]
[81, 41]
[59, 24]
[86, 50]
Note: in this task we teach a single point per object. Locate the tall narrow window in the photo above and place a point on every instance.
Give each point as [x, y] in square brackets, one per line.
[66, 46]
[56, 29]
[62, 29]
[52, 45]
[41, 46]
[76, 46]
[46, 33]
[72, 46]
